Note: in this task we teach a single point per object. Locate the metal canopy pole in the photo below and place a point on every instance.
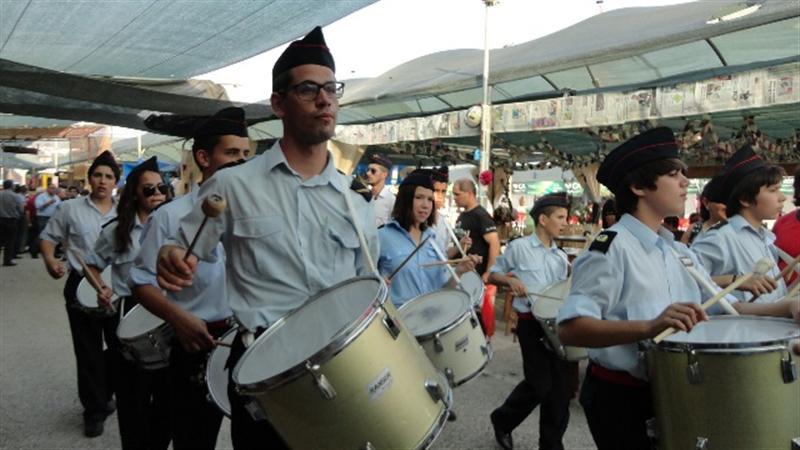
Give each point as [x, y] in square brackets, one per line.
[486, 114]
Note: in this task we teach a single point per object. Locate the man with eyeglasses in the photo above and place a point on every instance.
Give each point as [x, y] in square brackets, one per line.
[76, 225]
[383, 198]
[287, 229]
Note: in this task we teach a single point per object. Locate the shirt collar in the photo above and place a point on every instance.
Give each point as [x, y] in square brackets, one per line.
[644, 234]
[739, 223]
[90, 203]
[274, 157]
[394, 224]
[534, 241]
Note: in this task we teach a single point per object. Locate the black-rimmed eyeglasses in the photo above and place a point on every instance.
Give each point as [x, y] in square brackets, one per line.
[149, 191]
[309, 90]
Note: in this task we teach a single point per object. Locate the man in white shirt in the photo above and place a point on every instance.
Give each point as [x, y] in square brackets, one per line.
[377, 173]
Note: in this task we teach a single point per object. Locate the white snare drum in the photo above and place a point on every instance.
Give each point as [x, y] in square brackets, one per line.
[145, 338]
[340, 372]
[729, 384]
[87, 296]
[472, 284]
[545, 310]
[446, 326]
[217, 375]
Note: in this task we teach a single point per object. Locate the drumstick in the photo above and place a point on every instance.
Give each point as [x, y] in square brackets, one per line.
[440, 263]
[213, 206]
[784, 272]
[688, 264]
[762, 266]
[222, 344]
[98, 285]
[793, 290]
[454, 238]
[408, 258]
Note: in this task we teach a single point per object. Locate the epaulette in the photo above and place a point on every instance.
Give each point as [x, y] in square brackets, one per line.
[719, 225]
[362, 189]
[109, 222]
[603, 240]
[238, 162]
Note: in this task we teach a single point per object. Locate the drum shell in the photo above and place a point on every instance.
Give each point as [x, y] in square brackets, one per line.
[742, 401]
[399, 413]
[150, 349]
[545, 310]
[460, 349]
[216, 375]
[87, 297]
[565, 352]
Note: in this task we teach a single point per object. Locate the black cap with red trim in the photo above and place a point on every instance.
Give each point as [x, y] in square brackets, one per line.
[743, 162]
[309, 50]
[652, 145]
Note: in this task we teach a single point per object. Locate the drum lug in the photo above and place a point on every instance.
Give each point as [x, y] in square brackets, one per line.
[435, 391]
[325, 387]
[391, 326]
[437, 344]
[451, 377]
[702, 443]
[796, 443]
[473, 320]
[788, 367]
[693, 371]
[368, 446]
[486, 350]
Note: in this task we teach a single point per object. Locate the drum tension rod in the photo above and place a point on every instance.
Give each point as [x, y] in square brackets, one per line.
[325, 387]
[788, 367]
[391, 326]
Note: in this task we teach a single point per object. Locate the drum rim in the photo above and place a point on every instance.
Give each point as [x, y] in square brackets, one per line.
[438, 425]
[567, 280]
[227, 412]
[164, 324]
[448, 327]
[342, 340]
[752, 347]
[483, 286]
[96, 307]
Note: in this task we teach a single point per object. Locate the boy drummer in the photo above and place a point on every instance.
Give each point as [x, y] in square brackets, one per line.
[536, 262]
[631, 285]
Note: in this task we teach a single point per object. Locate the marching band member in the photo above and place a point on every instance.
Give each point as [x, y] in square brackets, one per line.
[199, 313]
[731, 248]
[142, 396]
[536, 262]
[412, 221]
[287, 230]
[76, 224]
[631, 285]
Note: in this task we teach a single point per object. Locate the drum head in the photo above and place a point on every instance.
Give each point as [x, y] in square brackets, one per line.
[217, 374]
[736, 331]
[86, 294]
[137, 322]
[323, 320]
[435, 311]
[472, 284]
[546, 308]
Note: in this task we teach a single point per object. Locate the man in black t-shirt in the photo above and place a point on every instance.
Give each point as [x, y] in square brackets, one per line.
[479, 224]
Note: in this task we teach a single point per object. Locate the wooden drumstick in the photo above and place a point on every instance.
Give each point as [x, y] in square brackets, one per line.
[408, 258]
[784, 272]
[762, 266]
[213, 206]
[96, 283]
[222, 344]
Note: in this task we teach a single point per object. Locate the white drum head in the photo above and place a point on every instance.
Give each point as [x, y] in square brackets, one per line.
[546, 308]
[217, 374]
[472, 284]
[303, 333]
[86, 294]
[738, 331]
[435, 311]
[137, 322]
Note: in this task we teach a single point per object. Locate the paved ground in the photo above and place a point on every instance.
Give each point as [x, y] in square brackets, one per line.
[39, 407]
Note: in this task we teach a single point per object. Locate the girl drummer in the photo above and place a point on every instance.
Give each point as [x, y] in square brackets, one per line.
[413, 217]
[142, 408]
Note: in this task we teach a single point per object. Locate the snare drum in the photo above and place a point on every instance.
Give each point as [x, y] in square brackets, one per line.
[471, 283]
[145, 338]
[446, 326]
[87, 296]
[729, 384]
[341, 372]
[217, 374]
[545, 310]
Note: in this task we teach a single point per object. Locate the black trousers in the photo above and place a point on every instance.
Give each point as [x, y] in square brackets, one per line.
[95, 366]
[195, 420]
[546, 383]
[617, 414]
[247, 433]
[143, 402]
[8, 238]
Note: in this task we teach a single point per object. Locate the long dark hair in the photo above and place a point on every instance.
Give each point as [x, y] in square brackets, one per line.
[127, 209]
[403, 211]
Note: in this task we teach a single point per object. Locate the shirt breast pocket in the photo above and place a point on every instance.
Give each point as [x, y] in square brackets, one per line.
[343, 248]
[256, 244]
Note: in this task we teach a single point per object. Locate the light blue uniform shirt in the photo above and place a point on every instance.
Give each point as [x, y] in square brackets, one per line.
[412, 280]
[77, 224]
[636, 279]
[440, 228]
[105, 253]
[48, 210]
[207, 297]
[285, 238]
[735, 248]
[533, 264]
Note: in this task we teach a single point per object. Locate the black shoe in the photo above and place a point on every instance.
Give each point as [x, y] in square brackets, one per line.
[93, 428]
[503, 438]
[10, 264]
[452, 416]
[111, 406]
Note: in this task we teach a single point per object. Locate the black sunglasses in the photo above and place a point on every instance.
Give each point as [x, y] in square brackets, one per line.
[149, 191]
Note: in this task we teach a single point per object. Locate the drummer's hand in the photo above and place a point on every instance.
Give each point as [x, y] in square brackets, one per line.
[192, 333]
[466, 242]
[104, 296]
[54, 267]
[681, 316]
[469, 264]
[173, 273]
[388, 281]
[759, 285]
[795, 308]
[485, 276]
[518, 288]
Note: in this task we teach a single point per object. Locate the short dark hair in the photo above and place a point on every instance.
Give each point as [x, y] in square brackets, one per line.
[206, 143]
[547, 211]
[403, 208]
[282, 82]
[748, 188]
[643, 177]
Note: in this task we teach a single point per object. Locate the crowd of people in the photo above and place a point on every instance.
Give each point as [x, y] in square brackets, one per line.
[293, 226]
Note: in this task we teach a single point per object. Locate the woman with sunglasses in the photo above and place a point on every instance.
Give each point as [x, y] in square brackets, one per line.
[412, 222]
[142, 407]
